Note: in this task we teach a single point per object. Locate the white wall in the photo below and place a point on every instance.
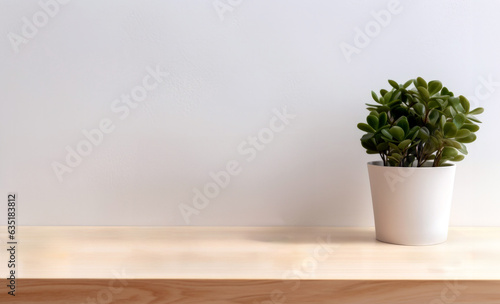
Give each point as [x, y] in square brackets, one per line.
[228, 70]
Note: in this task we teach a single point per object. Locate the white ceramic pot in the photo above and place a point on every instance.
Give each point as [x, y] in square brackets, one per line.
[411, 205]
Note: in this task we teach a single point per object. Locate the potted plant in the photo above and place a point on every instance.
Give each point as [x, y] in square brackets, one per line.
[417, 128]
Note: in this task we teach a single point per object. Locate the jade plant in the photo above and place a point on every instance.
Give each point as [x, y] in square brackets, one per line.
[419, 122]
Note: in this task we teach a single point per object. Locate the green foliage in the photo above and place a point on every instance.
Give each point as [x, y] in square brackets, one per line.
[410, 125]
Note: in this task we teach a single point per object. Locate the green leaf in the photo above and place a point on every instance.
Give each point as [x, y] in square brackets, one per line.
[404, 144]
[450, 152]
[471, 127]
[473, 118]
[412, 131]
[394, 84]
[465, 103]
[367, 136]
[372, 121]
[383, 109]
[467, 139]
[375, 97]
[388, 97]
[394, 147]
[433, 116]
[459, 120]
[365, 127]
[458, 158]
[382, 147]
[434, 86]
[396, 94]
[477, 111]
[393, 162]
[399, 111]
[409, 161]
[452, 143]
[424, 133]
[397, 132]
[369, 145]
[371, 152]
[395, 157]
[444, 160]
[407, 84]
[433, 104]
[386, 133]
[383, 92]
[403, 124]
[395, 104]
[420, 109]
[434, 143]
[443, 103]
[450, 112]
[463, 149]
[421, 82]
[442, 121]
[450, 130]
[463, 133]
[424, 93]
[382, 120]
[455, 102]
[445, 91]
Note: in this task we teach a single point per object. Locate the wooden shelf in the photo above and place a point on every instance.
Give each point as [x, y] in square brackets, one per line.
[247, 264]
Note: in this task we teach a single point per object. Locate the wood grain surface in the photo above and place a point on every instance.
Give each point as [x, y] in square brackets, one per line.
[264, 265]
[78, 291]
[249, 253]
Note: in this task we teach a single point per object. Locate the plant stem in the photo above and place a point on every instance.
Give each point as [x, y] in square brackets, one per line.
[426, 119]
[420, 155]
[439, 155]
[382, 155]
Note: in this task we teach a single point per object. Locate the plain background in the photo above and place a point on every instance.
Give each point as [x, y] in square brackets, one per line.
[227, 72]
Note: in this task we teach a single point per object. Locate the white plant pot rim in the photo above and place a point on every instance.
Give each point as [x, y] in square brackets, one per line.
[427, 166]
